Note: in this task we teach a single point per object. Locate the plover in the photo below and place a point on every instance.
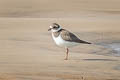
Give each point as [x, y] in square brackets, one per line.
[64, 38]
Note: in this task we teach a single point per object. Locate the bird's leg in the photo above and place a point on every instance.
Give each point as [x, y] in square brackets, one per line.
[67, 50]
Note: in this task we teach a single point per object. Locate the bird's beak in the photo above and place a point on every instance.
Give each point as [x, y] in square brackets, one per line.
[49, 29]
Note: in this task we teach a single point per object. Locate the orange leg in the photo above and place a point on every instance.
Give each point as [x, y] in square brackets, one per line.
[67, 50]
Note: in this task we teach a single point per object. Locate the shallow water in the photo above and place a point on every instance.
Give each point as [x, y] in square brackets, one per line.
[115, 47]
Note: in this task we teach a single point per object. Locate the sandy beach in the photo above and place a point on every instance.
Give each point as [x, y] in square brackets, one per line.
[27, 51]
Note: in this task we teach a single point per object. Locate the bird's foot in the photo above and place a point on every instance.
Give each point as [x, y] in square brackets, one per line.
[66, 59]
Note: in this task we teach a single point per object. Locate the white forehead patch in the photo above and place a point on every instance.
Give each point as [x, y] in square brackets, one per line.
[51, 27]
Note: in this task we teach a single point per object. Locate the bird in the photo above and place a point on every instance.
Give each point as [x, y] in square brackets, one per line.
[64, 38]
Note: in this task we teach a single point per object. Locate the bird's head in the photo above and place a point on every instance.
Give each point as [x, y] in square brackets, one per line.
[54, 27]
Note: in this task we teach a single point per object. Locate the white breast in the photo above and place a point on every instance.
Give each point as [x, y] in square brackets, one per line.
[62, 43]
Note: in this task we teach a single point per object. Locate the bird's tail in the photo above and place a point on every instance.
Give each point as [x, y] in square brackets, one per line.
[85, 42]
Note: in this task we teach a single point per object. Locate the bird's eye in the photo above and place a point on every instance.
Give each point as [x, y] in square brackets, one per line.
[54, 27]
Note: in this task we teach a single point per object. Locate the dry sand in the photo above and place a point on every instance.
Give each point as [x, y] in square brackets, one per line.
[27, 51]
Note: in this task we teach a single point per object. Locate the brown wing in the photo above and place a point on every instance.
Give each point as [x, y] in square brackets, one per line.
[68, 36]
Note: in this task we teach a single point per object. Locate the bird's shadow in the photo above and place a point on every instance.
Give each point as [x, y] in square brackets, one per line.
[99, 59]
[96, 59]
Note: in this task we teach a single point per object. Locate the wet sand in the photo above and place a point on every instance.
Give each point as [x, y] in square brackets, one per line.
[27, 51]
